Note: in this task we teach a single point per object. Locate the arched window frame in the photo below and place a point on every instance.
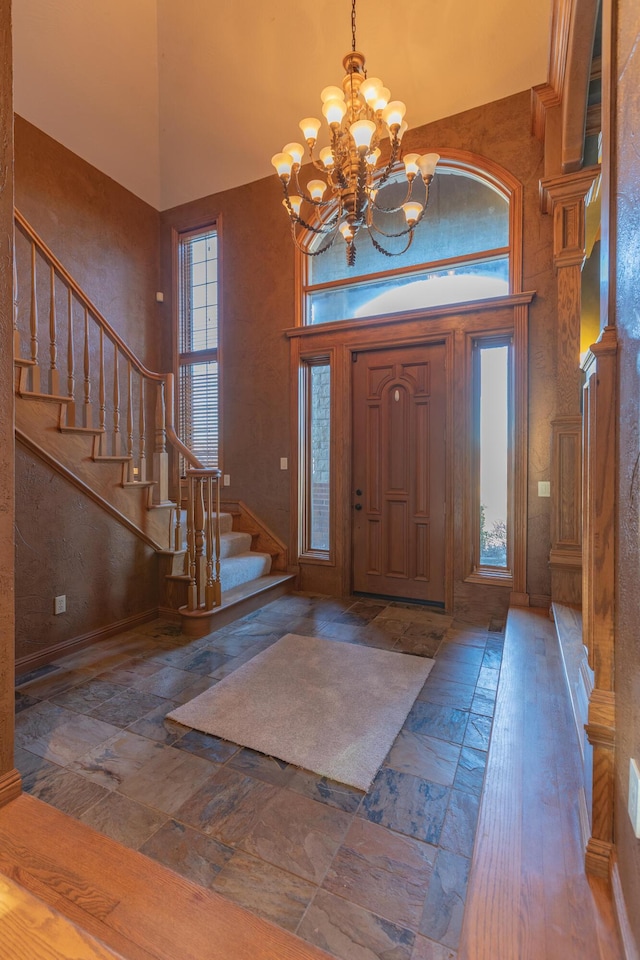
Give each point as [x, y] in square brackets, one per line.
[473, 165]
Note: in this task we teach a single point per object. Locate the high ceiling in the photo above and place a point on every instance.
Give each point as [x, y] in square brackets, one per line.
[177, 99]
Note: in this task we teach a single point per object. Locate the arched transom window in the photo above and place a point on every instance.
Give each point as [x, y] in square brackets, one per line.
[463, 250]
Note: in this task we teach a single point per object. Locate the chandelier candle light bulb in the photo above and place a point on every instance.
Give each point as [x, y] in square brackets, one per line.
[359, 116]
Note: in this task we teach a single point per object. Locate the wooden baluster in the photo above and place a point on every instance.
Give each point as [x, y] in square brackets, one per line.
[116, 403]
[33, 323]
[101, 393]
[209, 595]
[177, 536]
[17, 349]
[217, 582]
[199, 514]
[142, 474]
[160, 455]
[87, 418]
[132, 471]
[71, 372]
[192, 594]
[54, 374]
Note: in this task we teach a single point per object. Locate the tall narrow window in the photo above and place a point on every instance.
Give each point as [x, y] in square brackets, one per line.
[198, 343]
[316, 448]
[493, 402]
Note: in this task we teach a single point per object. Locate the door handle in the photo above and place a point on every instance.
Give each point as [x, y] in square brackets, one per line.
[358, 506]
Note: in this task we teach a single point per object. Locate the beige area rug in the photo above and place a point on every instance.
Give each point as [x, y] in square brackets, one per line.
[330, 707]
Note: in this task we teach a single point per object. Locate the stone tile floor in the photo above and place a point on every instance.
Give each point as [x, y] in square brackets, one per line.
[364, 876]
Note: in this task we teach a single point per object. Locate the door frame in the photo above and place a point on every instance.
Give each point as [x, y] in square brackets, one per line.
[456, 326]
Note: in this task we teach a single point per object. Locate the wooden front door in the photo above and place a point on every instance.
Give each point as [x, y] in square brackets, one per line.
[398, 494]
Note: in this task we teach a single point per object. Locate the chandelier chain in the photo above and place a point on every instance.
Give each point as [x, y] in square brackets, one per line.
[353, 25]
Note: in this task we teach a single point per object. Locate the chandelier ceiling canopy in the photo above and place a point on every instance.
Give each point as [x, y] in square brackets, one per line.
[360, 115]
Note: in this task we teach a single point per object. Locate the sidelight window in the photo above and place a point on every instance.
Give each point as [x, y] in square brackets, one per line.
[316, 458]
[493, 457]
[198, 343]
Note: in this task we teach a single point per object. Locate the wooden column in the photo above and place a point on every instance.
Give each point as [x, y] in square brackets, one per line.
[599, 594]
[9, 777]
[565, 197]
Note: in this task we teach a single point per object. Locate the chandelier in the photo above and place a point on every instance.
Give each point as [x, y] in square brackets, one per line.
[360, 115]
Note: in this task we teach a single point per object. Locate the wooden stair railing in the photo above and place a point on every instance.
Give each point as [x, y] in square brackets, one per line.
[110, 395]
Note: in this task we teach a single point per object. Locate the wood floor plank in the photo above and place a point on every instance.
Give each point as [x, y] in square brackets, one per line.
[529, 897]
[127, 900]
[30, 928]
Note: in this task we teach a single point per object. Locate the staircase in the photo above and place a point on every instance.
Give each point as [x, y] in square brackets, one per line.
[96, 415]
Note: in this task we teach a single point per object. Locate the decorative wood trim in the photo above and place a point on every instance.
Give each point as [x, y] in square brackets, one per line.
[547, 95]
[564, 197]
[41, 657]
[520, 600]
[576, 85]
[520, 464]
[597, 859]
[566, 558]
[428, 314]
[10, 786]
[602, 715]
[543, 98]
[594, 120]
[629, 944]
[540, 600]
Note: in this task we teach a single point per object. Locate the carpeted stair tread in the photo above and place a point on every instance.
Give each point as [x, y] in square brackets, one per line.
[242, 568]
[234, 543]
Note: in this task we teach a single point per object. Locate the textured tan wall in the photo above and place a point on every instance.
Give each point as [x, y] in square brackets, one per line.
[6, 393]
[257, 279]
[258, 304]
[106, 237]
[66, 544]
[108, 240]
[626, 191]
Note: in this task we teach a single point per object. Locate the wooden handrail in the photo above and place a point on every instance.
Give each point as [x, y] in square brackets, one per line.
[84, 299]
[115, 407]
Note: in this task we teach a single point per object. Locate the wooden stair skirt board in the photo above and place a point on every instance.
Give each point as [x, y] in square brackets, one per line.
[131, 904]
[579, 680]
[236, 603]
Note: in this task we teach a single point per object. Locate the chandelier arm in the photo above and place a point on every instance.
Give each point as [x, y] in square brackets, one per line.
[312, 253]
[324, 228]
[409, 194]
[395, 152]
[304, 194]
[408, 229]
[391, 253]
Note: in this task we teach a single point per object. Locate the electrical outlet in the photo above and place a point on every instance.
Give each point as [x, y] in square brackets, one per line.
[59, 604]
[226, 480]
[544, 488]
[634, 796]
[284, 463]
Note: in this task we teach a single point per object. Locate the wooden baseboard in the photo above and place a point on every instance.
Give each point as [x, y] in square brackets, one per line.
[10, 786]
[597, 859]
[519, 599]
[41, 657]
[629, 944]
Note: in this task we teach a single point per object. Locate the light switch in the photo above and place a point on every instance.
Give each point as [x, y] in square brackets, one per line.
[226, 480]
[284, 463]
[544, 488]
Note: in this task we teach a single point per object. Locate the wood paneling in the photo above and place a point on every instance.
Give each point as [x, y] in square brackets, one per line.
[8, 783]
[599, 592]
